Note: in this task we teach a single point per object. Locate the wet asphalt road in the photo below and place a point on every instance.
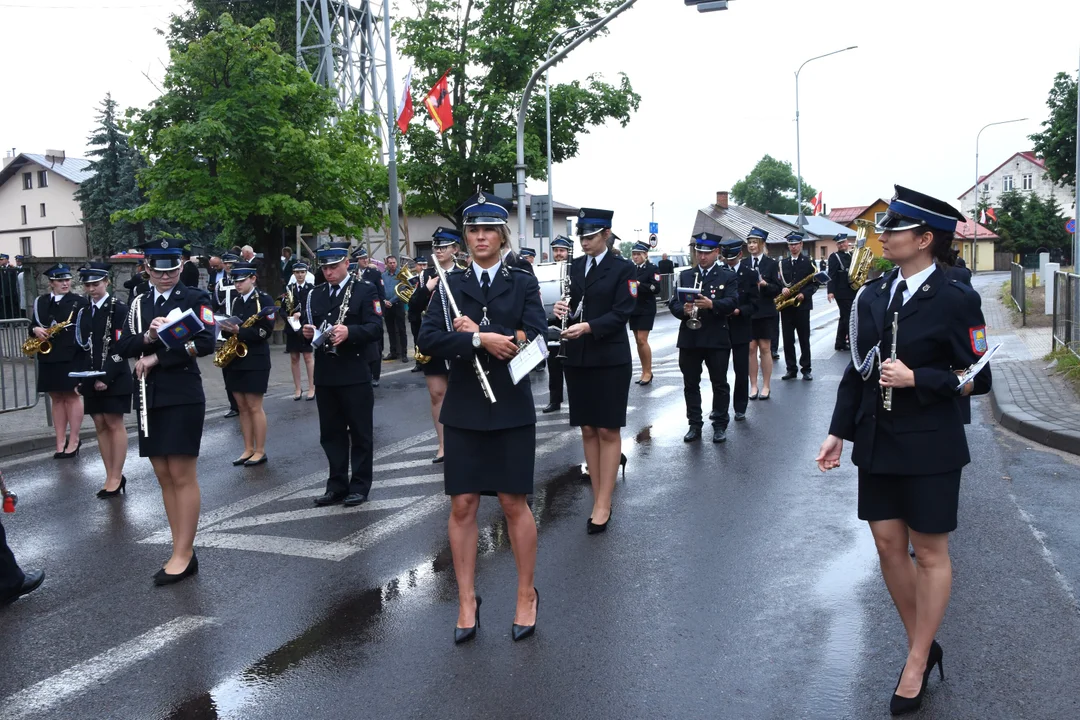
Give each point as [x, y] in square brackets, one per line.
[735, 581]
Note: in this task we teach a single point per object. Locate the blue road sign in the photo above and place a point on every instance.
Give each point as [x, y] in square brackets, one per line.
[1070, 227]
[655, 227]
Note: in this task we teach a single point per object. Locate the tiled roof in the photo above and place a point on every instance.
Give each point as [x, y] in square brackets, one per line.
[736, 221]
[815, 225]
[1028, 155]
[966, 230]
[846, 214]
[74, 169]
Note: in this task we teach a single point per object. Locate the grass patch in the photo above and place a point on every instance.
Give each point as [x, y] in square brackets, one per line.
[1034, 298]
[1067, 365]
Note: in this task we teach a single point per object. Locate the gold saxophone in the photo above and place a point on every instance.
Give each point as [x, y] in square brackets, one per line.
[783, 303]
[34, 346]
[233, 348]
[862, 258]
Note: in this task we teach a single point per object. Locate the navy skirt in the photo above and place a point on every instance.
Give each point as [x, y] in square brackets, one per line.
[598, 395]
[927, 503]
[107, 404]
[174, 430]
[489, 461]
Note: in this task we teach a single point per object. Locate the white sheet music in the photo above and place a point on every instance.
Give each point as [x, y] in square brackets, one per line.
[523, 363]
[972, 371]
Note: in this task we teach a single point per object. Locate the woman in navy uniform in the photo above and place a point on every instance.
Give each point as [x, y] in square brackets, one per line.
[59, 306]
[644, 314]
[175, 404]
[603, 294]
[106, 398]
[740, 322]
[763, 321]
[248, 377]
[910, 456]
[444, 245]
[490, 446]
[295, 343]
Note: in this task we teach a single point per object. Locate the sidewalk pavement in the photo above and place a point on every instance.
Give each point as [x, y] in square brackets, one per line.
[1027, 396]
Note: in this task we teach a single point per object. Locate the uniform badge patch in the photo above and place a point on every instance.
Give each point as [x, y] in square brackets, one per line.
[656, 277]
[262, 332]
[978, 339]
[117, 358]
[378, 307]
[117, 333]
[207, 315]
[633, 287]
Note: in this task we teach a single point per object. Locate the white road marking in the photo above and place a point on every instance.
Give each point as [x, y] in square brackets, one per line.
[46, 695]
[403, 465]
[312, 513]
[363, 539]
[662, 391]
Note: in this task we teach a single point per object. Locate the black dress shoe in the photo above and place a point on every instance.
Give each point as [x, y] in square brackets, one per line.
[594, 529]
[122, 488]
[465, 634]
[438, 459]
[776, 356]
[232, 413]
[241, 460]
[31, 582]
[520, 632]
[739, 417]
[789, 375]
[719, 435]
[807, 376]
[330, 499]
[374, 383]
[261, 461]
[899, 705]
[552, 407]
[417, 368]
[694, 433]
[354, 499]
[753, 396]
[163, 578]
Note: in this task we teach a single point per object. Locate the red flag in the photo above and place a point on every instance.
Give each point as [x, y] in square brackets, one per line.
[817, 203]
[438, 106]
[991, 214]
[405, 108]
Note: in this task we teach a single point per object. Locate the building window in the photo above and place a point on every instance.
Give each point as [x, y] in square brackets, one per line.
[878, 218]
[24, 246]
[1026, 181]
[43, 178]
[986, 187]
[42, 209]
[28, 181]
[22, 211]
[1007, 183]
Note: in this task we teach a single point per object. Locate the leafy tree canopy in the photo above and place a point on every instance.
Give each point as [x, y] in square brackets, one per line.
[1027, 222]
[244, 140]
[771, 188]
[202, 17]
[1056, 144]
[492, 47]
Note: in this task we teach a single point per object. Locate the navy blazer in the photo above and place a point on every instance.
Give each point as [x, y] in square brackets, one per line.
[363, 317]
[721, 286]
[839, 285]
[941, 329]
[648, 286]
[45, 314]
[769, 270]
[256, 337]
[740, 326]
[101, 353]
[608, 294]
[793, 272]
[513, 303]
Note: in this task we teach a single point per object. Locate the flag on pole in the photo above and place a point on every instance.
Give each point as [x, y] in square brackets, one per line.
[988, 213]
[817, 203]
[438, 106]
[405, 108]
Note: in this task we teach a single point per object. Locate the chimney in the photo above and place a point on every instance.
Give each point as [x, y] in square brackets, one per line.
[9, 157]
[722, 199]
[55, 156]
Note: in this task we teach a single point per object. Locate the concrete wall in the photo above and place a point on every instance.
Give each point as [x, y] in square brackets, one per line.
[61, 211]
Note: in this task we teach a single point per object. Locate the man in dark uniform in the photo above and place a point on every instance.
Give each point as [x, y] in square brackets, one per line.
[794, 268]
[740, 322]
[417, 304]
[347, 313]
[647, 276]
[137, 284]
[560, 252]
[9, 289]
[14, 583]
[710, 343]
[526, 258]
[839, 287]
[372, 351]
[189, 273]
[222, 296]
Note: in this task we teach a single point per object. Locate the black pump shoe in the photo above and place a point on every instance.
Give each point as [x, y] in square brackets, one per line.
[465, 634]
[163, 578]
[592, 528]
[622, 464]
[68, 455]
[122, 488]
[899, 705]
[520, 632]
[241, 460]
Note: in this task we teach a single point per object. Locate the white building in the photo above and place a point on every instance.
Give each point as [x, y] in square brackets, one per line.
[39, 214]
[1023, 172]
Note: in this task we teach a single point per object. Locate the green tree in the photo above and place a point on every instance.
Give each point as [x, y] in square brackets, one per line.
[1028, 222]
[771, 188]
[242, 139]
[492, 48]
[1056, 144]
[625, 247]
[201, 18]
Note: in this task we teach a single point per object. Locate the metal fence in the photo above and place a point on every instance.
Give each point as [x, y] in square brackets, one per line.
[1016, 289]
[1066, 312]
[18, 373]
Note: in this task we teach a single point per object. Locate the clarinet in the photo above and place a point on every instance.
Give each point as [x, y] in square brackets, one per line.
[136, 314]
[565, 298]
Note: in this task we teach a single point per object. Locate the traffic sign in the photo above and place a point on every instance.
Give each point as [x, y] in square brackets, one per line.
[1070, 227]
[652, 241]
[655, 227]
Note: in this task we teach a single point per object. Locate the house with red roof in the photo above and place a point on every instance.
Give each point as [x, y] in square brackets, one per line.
[874, 212]
[1023, 172]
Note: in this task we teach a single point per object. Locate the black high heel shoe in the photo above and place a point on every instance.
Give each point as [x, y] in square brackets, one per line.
[68, 455]
[163, 578]
[900, 705]
[465, 634]
[520, 632]
[122, 488]
[622, 464]
[592, 528]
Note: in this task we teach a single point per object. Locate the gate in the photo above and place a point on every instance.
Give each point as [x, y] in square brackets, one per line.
[18, 373]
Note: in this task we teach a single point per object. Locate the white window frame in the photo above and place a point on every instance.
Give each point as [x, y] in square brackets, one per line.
[1007, 184]
[1027, 181]
[878, 217]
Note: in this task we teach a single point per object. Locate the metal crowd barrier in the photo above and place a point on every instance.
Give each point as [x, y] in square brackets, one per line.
[1016, 289]
[18, 373]
[667, 287]
[1066, 330]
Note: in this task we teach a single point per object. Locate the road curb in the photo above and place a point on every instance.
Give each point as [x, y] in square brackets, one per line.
[1023, 423]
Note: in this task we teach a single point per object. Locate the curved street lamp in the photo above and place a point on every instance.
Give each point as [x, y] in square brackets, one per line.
[975, 210]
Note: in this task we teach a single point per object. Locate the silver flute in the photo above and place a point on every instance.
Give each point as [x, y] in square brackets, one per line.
[887, 401]
[481, 375]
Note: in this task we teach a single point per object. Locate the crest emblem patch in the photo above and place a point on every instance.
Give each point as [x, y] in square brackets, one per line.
[207, 315]
[978, 339]
[378, 307]
[633, 287]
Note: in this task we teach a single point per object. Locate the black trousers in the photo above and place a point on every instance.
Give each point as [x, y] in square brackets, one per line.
[842, 327]
[232, 400]
[394, 319]
[345, 433]
[374, 357]
[414, 326]
[11, 576]
[776, 334]
[555, 378]
[796, 320]
[716, 360]
[740, 360]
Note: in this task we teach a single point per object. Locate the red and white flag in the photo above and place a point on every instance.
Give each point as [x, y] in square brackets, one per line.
[405, 108]
[818, 203]
[438, 105]
[988, 213]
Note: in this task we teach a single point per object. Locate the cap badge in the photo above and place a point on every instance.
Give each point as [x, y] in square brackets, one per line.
[165, 244]
[481, 199]
[581, 214]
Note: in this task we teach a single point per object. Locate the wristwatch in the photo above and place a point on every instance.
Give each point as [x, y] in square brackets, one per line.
[476, 340]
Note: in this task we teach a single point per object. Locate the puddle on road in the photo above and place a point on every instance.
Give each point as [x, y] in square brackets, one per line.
[356, 620]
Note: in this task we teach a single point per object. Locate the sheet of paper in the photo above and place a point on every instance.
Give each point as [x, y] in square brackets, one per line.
[972, 371]
[527, 359]
[87, 374]
[315, 338]
[294, 324]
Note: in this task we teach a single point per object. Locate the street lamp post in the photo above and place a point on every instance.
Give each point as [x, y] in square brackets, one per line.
[547, 111]
[801, 221]
[975, 209]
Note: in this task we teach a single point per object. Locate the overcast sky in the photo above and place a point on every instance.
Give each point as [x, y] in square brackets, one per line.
[717, 92]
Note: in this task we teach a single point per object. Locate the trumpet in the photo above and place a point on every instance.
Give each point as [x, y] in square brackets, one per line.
[861, 258]
[481, 374]
[43, 346]
[693, 323]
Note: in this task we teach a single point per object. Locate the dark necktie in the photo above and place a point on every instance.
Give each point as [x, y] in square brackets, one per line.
[333, 293]
[93, 311]
[485, 283]
[592, 264]
[159, 303]
[755, 263]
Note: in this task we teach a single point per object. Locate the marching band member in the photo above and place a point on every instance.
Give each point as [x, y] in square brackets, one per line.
[490, 446]
[224, 295]
[175, 403]
[905, 422]
[560, 252]
[106, 398]
[416, 307]
[60, 306]
[347, 313]
[444, 244]
[765, 315]
[295, 343]
[794, 268]
[644, 315]
[603, 293]
[247, 377]
[526, 258]
[704, 336]
[373, 276]
[839, 287]
[740, 322]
